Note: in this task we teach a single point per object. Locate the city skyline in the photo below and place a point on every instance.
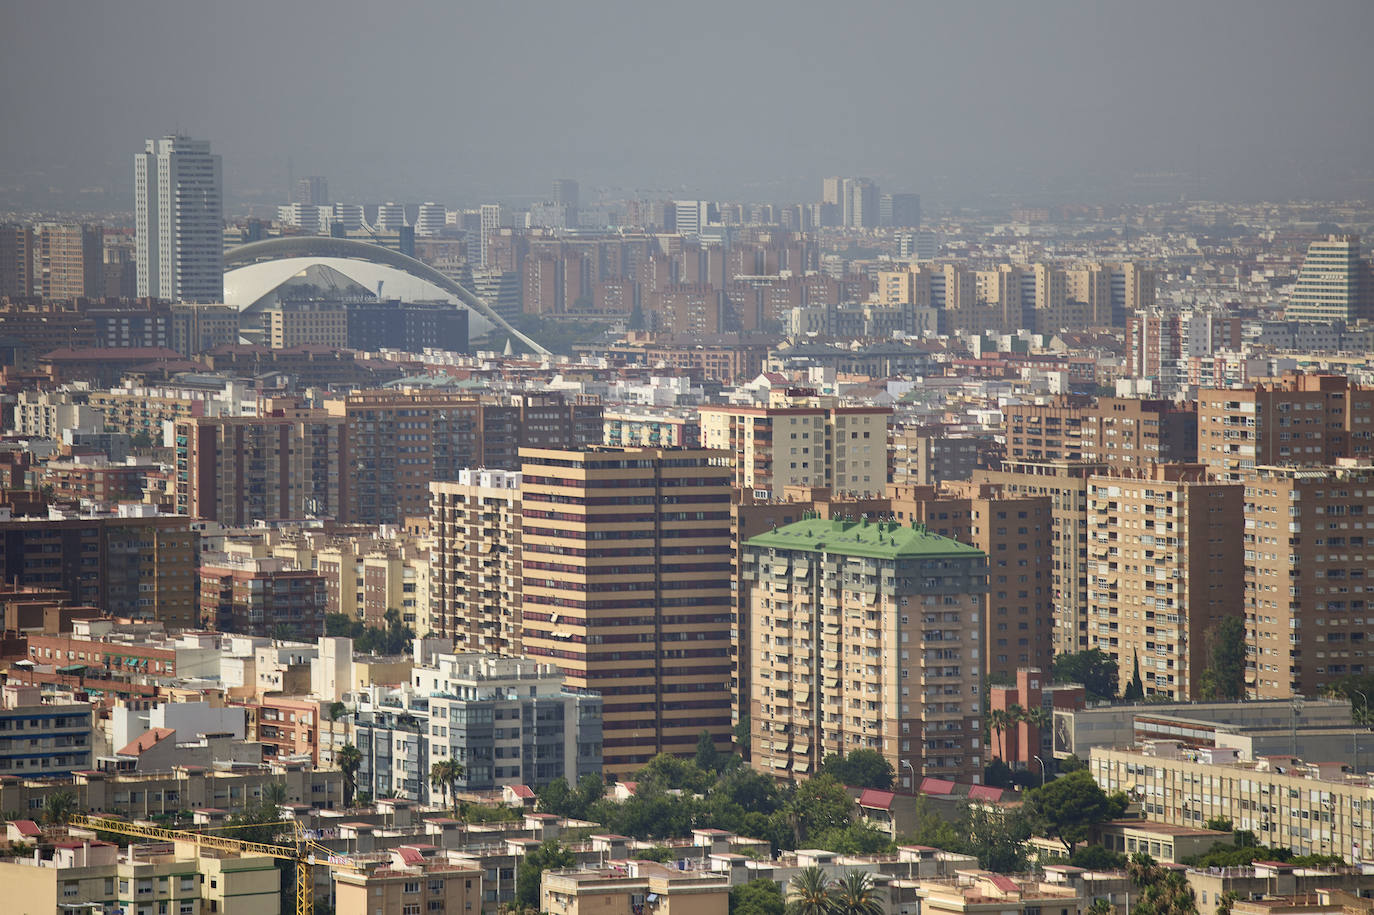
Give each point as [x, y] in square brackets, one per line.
[884, 92]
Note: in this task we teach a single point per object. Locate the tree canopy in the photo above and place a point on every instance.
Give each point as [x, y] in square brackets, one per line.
[1094, 668]
[1068, 807]
[757, 897]
[1224, 676]
[394, 638]
[549, 855]
[860, 769]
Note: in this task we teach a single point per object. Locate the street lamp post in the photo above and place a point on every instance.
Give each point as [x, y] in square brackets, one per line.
[907, 763]
[1363, 722]
[1042, 769]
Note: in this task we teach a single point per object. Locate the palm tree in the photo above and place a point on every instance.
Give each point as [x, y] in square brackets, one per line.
[58, 808]
[855, 894]
[349, 759]
[999, 721]
[808, 893]
[1100, 907]
[445, 776]
[274, 793]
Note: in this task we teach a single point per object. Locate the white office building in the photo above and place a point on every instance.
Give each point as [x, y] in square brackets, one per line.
[179, 223]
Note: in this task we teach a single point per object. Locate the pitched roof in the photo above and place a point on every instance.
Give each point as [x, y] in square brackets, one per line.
[931, 785]
[985, 793]
[1005, 884]
[146, 741]
[27, 828]
[873, 539]
[874, 799]
[522, 791]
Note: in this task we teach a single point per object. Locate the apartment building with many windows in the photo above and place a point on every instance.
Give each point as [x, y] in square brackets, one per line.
[626, 559]
[866, 635]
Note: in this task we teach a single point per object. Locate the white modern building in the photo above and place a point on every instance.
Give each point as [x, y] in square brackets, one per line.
[431, 219]
[179, 222]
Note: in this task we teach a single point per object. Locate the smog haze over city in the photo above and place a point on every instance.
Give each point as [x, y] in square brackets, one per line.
[972, 103]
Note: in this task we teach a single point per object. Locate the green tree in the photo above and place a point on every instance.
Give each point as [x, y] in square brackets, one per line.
[999, 721]
[1071, 763]
[548, 856]
[1097, 858]
[1095, 669]
[808, 893]
[1224, 676]
[856, 894]
[660, 853]
[1067, 808]
[675, 772]
[58, 808]
[742, 737]
[274, 793]
[1161, 892]
[337, 710]
[817, 805]
[349, 759]
[708, 758]
[1135, 690]
[860, 769]
[556, 797]
[997, 774]
[1224, 904]
[1100, 907]
[757, 897]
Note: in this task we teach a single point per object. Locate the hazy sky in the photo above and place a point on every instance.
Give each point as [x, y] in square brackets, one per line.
[460, 101]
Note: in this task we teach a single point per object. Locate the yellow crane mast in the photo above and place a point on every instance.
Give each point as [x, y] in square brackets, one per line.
[304, 853]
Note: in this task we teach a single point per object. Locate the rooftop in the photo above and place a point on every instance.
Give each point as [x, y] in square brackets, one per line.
[873, 539]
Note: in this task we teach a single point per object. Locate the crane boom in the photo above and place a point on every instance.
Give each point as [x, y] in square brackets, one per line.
[300, 854]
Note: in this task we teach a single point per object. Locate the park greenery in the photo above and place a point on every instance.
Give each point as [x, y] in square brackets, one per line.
[395, 638]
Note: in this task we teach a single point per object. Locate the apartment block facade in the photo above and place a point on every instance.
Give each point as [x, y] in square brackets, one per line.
[260, 596]
[1298, 419]
[626, 557]
[802, 440]
[475, 571]
[866, 635]
[1308, 564]
[285, 464]
[1121, 432]
[1016, 533]
[1165, 567]
[1066, 485]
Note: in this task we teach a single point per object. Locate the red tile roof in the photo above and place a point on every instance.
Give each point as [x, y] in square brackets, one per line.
[874, 799]
[146, 741]
[27, 828]
[522, 791]
[985, 793]
[1005, 884]
[936, 786]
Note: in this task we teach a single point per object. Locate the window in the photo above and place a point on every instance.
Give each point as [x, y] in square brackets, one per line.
[413, 887]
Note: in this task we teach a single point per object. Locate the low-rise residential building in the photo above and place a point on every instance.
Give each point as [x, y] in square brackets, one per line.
[40, 739]
[640, 887]
[412, 884]
[80, 873]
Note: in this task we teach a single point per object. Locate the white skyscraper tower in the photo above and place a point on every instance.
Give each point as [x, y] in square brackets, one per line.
[179, 221]
[491, 222]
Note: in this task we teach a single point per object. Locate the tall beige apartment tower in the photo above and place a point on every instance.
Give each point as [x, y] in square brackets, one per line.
[1166, 565]
[475, 568]
[866, 635]
[626, 558]
[1309, 557]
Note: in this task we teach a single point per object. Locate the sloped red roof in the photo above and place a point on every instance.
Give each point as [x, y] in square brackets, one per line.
[146, 741]
[936, 786]
[985, 793]
[27, 828]
[1005, 884]
[522, 791]
[410, 855]
[875, 799]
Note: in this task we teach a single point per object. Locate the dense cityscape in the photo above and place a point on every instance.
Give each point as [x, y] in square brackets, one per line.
[884, 549]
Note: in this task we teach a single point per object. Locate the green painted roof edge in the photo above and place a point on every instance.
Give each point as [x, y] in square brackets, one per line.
[869, 539]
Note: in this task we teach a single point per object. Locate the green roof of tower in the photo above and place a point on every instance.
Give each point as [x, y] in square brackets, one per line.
[871, 539]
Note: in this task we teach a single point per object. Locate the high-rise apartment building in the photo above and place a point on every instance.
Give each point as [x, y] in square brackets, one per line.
[1308, 559]
[901, 211]
[866, 635]
[476, 574]
[802, 440]
[1165, 567]
[490, 223]
[430, 219]
[69, 262]
[396, 441]
[1122, 432]
[134, 563]
[284, 464]
[1333, 284]
[626, 562]
[1066, 485]
[1016, 533]
[16, 260]
[312, 191]
[566, 194]
[262, 596]
[1298, 419]
[179, 224]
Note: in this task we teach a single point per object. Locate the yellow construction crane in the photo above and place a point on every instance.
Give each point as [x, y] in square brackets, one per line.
[304, 853]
